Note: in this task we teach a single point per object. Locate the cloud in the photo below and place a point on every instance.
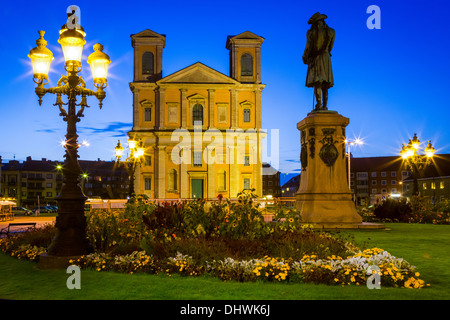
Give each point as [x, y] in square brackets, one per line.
[48, 130]
[292, 160]
[114, 129]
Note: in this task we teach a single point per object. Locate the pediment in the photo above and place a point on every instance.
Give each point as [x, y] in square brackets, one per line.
[198, 73]
[244, 37]
[148, 36]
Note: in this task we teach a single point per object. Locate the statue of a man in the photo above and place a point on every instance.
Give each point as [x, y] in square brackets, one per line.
[319, 42]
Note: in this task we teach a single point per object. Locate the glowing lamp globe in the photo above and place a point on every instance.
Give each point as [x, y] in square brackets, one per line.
[41, 58]
[99, 62]
[72, 42]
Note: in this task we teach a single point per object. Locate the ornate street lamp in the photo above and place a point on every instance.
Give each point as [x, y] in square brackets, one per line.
[137, 152]
[415, 161]
[70, 239]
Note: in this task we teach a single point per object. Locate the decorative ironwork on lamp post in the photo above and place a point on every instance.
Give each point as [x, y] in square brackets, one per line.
[415, 161]
[136, 155]
[70, 239]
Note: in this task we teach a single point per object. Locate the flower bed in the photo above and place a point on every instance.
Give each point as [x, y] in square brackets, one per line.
[228, 241]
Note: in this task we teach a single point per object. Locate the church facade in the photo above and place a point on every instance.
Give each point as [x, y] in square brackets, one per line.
[201, 129]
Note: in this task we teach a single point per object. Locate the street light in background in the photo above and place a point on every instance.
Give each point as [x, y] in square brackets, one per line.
[135, 157]
[349, 144]
[414, 160]
[70, 239]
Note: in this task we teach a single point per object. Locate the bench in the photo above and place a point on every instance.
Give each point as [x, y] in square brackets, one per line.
[18, 227]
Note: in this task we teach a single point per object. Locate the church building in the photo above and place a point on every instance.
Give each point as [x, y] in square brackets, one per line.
[201, 129]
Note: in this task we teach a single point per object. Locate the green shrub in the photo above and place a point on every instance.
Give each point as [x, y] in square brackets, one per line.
[393, 210]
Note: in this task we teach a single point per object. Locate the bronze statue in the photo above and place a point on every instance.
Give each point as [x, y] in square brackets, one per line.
[319, 42]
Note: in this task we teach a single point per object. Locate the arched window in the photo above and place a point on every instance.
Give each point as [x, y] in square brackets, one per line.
[148, 63]
[246, 65]
[197, 114]
[173, 179]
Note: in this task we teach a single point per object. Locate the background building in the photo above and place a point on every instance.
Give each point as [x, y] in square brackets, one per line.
[433, 182]
[177, 117]
[271, 181]
[374, 179]
[33, 181]
[289, 189]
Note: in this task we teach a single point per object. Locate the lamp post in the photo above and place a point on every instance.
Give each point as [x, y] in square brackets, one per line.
[415, 161]
[349, 144]
[136, 155]
[70, 239]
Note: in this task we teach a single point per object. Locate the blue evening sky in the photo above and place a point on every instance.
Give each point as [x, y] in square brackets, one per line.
[391, 82]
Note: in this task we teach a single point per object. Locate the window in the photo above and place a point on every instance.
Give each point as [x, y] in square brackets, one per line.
[197, 158]
[383, 174]
[374, 191]
[246, 115]
[433, 185]
[362, 175]
[197, 114]
[383, 182]
[222, 180]
[374, 174]
[374, 182]
[393, 182]
[173, 112]
[246, 65]
[148, 63]
[441, 185]
[246, 160]
[49, 195]
[49, 176]
[393, 174]
[222, 113]
[148, 183]
[246, 183]
[48, 185]
[173, 179]
[424, 186]
[148, 160]
[148, 114]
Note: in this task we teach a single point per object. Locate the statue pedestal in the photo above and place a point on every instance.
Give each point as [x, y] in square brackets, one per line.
[324, 198]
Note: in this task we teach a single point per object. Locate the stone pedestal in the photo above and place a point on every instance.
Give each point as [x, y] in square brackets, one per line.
[324, 198]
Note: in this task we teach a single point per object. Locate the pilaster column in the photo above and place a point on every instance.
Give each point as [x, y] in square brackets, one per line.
[258, 108]
[161, 103]
[234, 108]
[183, 108]
[211, 172]
[184, 179]
[211, 107]
[161, 173]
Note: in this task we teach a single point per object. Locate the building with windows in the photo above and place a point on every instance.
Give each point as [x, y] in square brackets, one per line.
[201, 129]
[39, 181]
[373, 179]
[290, 188]
[271, 181]
[433, 182]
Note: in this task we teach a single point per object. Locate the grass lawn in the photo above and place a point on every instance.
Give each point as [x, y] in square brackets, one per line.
[425, 246]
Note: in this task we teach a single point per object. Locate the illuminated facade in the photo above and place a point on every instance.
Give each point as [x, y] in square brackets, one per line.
[201, 129]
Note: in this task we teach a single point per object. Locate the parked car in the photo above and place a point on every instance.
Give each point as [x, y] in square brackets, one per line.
[42, 209]
[21, 210]
[53, 208]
